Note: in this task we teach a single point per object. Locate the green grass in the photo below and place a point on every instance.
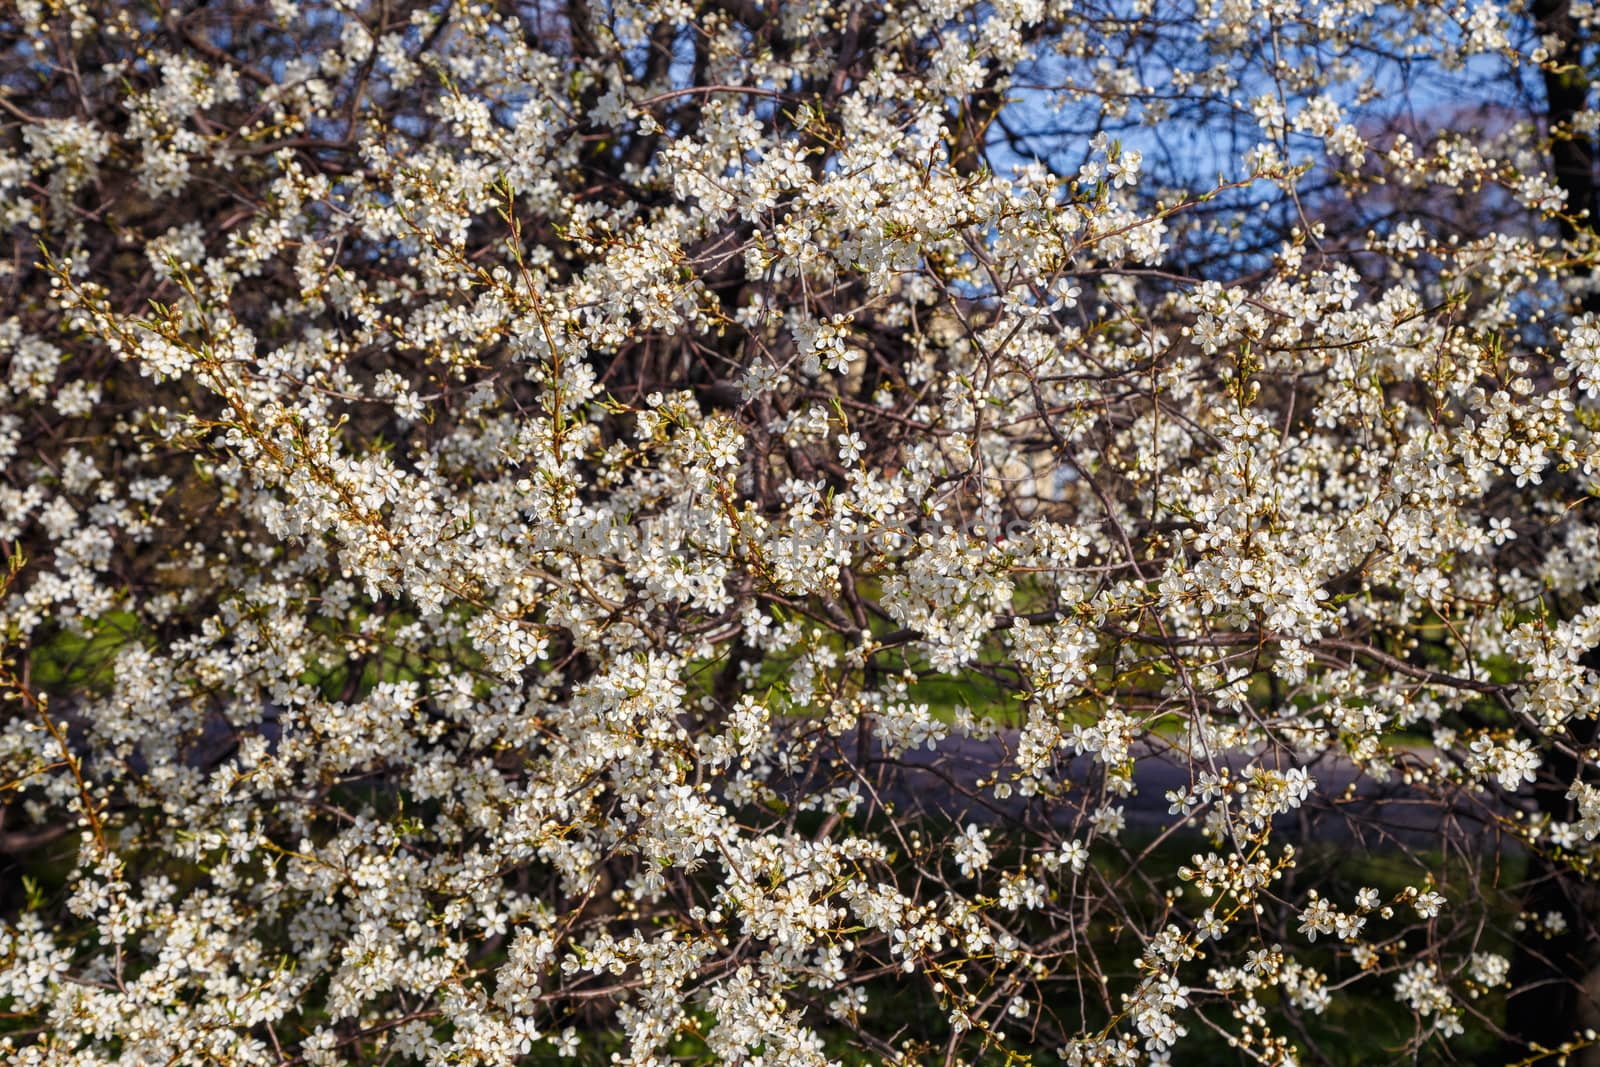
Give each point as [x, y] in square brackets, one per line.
[63, 658]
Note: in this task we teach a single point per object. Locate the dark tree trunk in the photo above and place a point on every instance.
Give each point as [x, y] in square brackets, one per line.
[1547, 1005]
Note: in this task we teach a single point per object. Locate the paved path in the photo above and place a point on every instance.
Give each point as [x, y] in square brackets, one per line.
[1346, 806]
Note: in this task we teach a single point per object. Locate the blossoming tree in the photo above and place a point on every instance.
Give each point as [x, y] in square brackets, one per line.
[800, 533]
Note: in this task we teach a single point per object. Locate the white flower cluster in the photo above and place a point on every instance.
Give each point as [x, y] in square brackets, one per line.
[647, 531]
